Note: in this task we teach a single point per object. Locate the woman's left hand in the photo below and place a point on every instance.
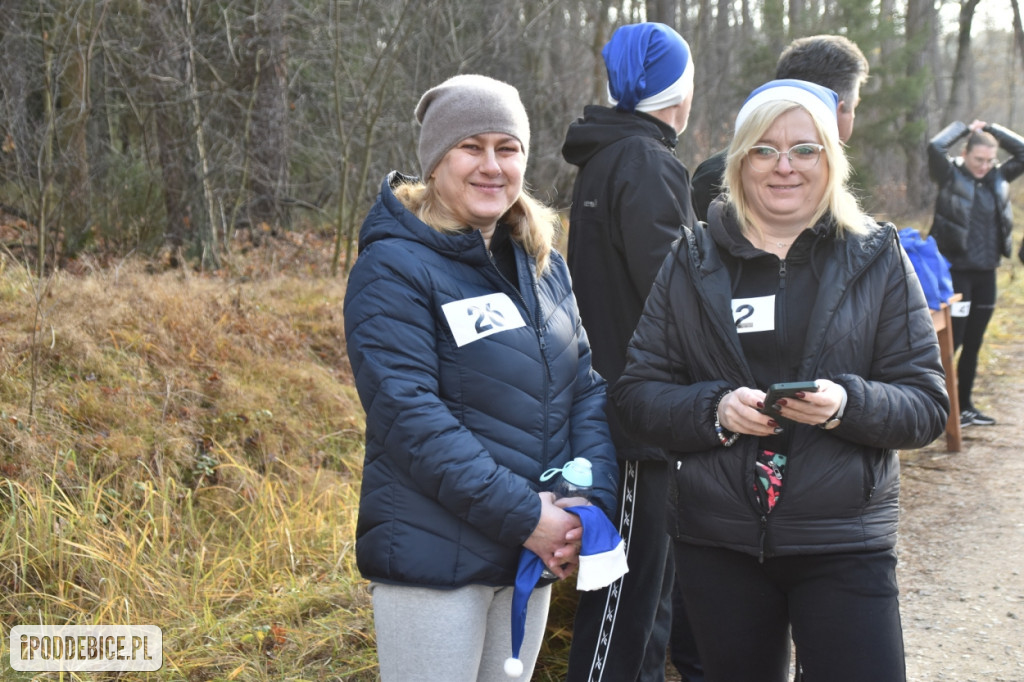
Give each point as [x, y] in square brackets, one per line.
[814, 408]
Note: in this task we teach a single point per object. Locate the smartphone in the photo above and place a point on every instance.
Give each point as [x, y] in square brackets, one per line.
[786, 389]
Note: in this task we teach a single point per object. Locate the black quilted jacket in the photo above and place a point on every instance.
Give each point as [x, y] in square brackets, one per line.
[869, 329]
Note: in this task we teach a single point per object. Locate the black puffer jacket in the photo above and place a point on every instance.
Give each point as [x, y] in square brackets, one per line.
[957, 187]
[869, 329]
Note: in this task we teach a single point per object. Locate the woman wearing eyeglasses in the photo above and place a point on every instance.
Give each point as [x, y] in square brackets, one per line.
[786, 514]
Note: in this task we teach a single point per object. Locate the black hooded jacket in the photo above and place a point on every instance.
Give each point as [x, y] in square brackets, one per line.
[630, 200]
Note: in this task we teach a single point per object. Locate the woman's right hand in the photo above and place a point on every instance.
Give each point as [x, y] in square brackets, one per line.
[738, 411]
[556, 539]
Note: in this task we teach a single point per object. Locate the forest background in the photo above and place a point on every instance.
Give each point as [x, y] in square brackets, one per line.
[174, 128]
[181, 186]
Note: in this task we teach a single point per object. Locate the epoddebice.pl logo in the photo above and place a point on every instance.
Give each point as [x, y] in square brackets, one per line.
[86, 648]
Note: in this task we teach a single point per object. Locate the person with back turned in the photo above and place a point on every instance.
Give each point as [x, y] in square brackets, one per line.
[630, 198]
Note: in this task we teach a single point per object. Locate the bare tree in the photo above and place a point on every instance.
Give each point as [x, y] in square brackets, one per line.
[920, 21]
[144, 125]
[266, 76]
[963, 77]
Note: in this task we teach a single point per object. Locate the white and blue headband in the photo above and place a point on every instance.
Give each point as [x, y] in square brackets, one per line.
[819, 101]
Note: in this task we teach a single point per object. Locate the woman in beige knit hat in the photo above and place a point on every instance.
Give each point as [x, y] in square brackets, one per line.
[474, 371]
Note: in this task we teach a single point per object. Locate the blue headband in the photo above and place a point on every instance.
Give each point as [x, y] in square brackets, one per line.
[644, 61]
[819, 101]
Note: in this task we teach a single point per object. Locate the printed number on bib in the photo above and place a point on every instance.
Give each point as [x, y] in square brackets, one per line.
[960, 309]
[472, 319]
[754, 314]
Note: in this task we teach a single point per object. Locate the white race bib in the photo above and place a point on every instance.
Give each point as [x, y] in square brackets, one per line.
[960, 309]
[472, 319]
[754, 314]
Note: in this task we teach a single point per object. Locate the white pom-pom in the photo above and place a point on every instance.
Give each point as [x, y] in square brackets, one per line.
[513, 667]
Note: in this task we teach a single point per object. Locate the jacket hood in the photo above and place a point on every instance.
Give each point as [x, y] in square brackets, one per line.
[390, 219]
[600, 127]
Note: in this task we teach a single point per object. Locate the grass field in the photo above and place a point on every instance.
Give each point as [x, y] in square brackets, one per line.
[185, 451]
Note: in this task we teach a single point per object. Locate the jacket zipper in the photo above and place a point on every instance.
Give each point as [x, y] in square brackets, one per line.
[782, 313]
[761, 540]
[541, 341]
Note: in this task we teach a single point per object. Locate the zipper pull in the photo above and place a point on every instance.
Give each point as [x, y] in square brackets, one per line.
[782, 274]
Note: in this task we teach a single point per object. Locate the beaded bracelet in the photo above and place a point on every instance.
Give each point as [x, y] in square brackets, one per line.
[720, 431]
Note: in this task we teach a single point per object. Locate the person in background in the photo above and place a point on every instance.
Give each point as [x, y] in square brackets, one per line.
[832, 61]
[630, 198]
[475, 374]
[972, 227]
[786, 515]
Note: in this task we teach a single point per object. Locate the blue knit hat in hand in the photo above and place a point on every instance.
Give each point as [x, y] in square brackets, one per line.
[602, 562]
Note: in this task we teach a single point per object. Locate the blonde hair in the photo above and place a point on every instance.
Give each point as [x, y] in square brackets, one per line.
[531, 223]
[837, 199]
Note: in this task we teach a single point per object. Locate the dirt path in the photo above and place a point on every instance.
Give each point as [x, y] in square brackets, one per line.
[961, 544]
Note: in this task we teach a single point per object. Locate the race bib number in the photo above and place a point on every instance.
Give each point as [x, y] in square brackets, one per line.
[960, 309]
[472, 319]
[754, 314]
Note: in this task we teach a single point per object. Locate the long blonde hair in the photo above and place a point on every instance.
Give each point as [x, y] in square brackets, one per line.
[531, 223]
[837, 199]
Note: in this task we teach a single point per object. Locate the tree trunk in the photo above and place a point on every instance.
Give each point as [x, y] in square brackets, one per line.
[15, 81]
[602, 32]
[1018, 41]
[269, 141]
[957, 106]
[773, 13]
[797, 12]
[209, 249]
[663, 11]
[921, 20]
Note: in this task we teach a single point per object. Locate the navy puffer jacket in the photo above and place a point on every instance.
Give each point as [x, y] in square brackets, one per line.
[458, 436]
[869, 330]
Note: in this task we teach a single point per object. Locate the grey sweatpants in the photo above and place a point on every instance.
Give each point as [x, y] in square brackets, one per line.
[461, 635]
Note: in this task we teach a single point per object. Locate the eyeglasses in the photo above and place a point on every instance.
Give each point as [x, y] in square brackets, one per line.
[763, 158]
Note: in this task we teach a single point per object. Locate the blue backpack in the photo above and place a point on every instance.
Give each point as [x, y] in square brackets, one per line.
[931, 267]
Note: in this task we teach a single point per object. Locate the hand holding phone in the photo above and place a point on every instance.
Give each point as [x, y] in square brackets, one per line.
[787, 389]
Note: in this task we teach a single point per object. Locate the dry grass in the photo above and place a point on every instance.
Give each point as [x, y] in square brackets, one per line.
[186, 452]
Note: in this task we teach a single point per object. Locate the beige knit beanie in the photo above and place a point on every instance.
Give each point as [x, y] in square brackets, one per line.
[464, 106]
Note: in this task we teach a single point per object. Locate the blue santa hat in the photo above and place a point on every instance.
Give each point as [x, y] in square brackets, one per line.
[649, 67]
[820, 102]
[602, 562]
